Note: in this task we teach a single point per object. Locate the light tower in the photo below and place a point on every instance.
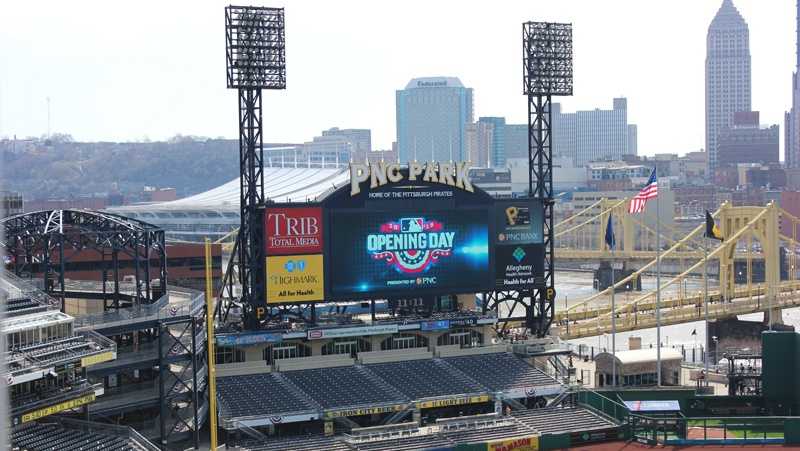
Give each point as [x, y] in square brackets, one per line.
[547, 72]
[256, 59]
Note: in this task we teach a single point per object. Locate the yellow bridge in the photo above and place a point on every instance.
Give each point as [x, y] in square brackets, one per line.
[752, 234]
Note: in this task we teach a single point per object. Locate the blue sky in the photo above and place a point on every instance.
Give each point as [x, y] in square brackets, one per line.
[126, 71]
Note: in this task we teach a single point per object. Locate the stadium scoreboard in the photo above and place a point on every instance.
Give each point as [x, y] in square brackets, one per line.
[402, 231]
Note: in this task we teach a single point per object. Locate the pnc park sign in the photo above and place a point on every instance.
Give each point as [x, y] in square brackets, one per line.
[454, 174]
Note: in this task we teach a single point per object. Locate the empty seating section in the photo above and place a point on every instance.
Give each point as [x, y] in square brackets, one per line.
[68, 348]
[558, 420]
[299, 443]
[406, 444]
[427, 378]
[36, 437]
[342, 387]
[258, 394]
[23, 306]
[490, 433]
[500, 371]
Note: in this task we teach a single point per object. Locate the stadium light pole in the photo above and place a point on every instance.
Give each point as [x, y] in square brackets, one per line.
[547, 72]
[255, 48]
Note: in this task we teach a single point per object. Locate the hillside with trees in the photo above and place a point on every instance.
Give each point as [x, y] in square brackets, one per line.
[62, 168]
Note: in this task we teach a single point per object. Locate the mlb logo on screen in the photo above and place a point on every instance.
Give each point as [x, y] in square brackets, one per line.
[411, 225]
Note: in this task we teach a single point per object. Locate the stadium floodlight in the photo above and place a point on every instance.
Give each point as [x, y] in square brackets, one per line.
[547, 58]
[256, 47]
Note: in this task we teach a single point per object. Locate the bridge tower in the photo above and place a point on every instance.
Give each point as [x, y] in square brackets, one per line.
[748, 223]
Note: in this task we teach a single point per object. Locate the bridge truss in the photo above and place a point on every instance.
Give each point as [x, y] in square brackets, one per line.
[753, 236]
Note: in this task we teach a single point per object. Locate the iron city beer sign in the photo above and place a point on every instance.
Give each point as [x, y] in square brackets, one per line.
[60, 407]
[380, 174]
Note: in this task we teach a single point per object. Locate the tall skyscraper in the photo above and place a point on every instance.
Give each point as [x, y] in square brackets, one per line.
[432, 118]
[727, 74]
[792, 120]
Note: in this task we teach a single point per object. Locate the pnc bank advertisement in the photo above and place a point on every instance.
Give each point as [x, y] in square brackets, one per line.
[407, 251]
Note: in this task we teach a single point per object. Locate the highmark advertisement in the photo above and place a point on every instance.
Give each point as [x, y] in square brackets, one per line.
[400, 252]
[295, 278]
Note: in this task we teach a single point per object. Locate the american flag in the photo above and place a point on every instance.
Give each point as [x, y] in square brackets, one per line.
[648, 192]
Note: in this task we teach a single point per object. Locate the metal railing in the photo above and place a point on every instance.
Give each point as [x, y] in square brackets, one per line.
[175, 303]
[31, 402]
[125, 432]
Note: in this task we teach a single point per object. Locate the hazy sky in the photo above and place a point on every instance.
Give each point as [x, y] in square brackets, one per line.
[130, 70]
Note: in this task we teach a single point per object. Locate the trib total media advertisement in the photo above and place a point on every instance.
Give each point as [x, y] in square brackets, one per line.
[294, 248]
[401, 231]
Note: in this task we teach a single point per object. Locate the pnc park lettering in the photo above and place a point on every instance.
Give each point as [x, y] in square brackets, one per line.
[380, 174]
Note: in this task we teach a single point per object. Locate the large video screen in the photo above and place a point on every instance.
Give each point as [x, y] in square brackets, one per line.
[409, 253]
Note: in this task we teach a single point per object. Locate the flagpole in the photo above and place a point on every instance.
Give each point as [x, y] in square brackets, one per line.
[658, 283]
[613, 320]
[705, 300]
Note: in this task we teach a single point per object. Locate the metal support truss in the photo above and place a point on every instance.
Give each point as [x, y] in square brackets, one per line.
[539, 314]
[51, 244]
[182, 379]
[251, 157]
[255, 48]
[547, 71]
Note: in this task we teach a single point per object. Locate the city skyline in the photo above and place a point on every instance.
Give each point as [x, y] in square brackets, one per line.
[95, 84]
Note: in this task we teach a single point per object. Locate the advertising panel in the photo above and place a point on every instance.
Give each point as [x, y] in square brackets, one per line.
[246, 339]
[518, 266]
[60, 407]
[293, 231]
[519, 243]
[530, 443]
[295, 278]
[412, 251]
[364, 411]
[98, 358]
[519, 222]
[319, 334]
[442, 324]
[452, 401]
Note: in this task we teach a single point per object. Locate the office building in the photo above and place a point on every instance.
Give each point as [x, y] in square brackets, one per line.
[792, 119]
[594, 135]
[746, 141]
[432, 118]
[480, 139]
[727, 75]
[633, 138]
[337, 147]
[497, 149]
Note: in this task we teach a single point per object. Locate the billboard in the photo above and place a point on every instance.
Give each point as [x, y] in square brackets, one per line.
[529, 443]
[519, 244]
[519, 222]
[518, 266]
[293, 230]
[401, 252]
[295, 278]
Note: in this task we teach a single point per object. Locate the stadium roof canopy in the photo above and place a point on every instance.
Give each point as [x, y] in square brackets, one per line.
[280, 185]
[215, 213]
